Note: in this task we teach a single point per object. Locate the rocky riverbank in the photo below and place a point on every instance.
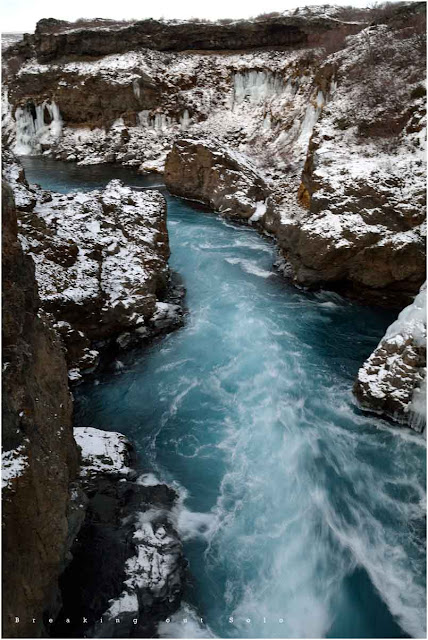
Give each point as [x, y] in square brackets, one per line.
[81, 274]
[393, 379]
[40, 457]
[101, 265]
[127, 571]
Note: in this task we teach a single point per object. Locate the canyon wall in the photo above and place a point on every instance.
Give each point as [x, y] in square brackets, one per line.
[56, 38]
[319, 139]
[39, 453]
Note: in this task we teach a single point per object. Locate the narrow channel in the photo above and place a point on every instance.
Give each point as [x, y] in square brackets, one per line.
[301, 516]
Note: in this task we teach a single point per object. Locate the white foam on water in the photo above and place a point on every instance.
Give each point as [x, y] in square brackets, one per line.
[250, 267]
[185, 623]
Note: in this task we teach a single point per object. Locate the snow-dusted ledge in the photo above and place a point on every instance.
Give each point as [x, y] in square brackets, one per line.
[103, 452]
[392, 381]
[13, 465]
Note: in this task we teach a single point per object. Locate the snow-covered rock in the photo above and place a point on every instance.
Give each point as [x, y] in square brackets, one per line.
[101, 262]
[130, 521]
[13, 465]
[103, 452]
[392, 381]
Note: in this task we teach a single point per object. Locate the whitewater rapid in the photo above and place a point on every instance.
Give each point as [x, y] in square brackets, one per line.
[300, 515]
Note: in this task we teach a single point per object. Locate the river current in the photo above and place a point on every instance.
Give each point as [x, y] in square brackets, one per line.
[301, 516]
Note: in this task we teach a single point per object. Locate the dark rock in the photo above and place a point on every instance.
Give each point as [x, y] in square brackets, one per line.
[203, 171]
[37, 413]
[52, 41]
[124, 522]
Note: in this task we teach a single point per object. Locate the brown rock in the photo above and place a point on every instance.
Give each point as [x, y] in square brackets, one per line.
[37, 416]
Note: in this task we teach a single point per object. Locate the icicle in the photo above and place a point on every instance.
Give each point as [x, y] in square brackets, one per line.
[137, 89]
[257, 86]
[143, 118]
[185, 120]
[32, 132]
[312, 114]
[267, 121]
[418, 408]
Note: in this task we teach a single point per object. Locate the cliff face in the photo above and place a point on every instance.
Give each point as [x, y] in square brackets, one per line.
[55, 38]
[392, 381]
[40, 455]
[101, 264]
[200, 171]
[131, 524]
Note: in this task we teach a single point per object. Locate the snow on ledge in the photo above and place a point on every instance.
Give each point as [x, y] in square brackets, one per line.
[13, 464]
[102, 451]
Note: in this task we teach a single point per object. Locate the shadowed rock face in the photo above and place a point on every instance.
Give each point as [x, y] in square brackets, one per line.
[55, 39]
[128, 567]
[201, 171]
[37, 416]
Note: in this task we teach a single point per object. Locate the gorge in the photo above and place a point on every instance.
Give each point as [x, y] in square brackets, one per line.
[299, 513]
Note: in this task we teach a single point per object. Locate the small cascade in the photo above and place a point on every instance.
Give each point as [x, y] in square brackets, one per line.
[36, 126]
[255, 86]
[312, 114]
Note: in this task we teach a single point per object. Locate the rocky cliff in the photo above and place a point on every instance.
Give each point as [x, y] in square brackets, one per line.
[392, 381]
[101, 264]
[129, 521]
[200, 170]
[39, 453]
[57, 38]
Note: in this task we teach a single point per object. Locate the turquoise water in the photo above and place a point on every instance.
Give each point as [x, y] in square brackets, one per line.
[301, 516]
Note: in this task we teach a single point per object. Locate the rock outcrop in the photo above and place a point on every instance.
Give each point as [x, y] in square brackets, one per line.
[129, 523]
[392, 381]
[101, 264]
[219, 178]
[39, 454]
[56, 38]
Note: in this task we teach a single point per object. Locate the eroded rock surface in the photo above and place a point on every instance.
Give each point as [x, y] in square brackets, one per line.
[392, 381]
[101, 264]
[39, 453]
[128, 567]
[218, 177]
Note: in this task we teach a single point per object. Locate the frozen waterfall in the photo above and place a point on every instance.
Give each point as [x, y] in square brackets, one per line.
[32, 130]
[256, 86]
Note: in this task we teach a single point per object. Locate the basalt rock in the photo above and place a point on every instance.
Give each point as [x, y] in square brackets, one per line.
[39, 453]
[392, 381]
[101, 265]
[128, 568]
[200, 170]
[56, 39]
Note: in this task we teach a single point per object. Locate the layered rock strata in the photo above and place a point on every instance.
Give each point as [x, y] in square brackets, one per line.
[39, 454]
[56, 38]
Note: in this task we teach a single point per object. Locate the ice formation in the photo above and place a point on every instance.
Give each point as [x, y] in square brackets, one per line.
[32, 131]
[256, 86]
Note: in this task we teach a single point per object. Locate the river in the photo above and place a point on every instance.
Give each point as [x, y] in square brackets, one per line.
[301, 516]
